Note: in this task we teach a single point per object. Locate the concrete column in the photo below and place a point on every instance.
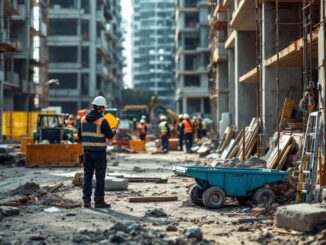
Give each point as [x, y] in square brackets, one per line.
[245, 94]
[231, 84]
[321, 72]
[202, 105]
[92, 52]
[184, 105]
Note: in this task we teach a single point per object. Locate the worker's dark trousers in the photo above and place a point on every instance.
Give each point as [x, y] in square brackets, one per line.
[94, 160]
[188, 141]
[142, 136]
[180, 142]
[165, 143]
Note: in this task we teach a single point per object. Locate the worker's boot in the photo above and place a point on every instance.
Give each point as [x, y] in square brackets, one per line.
[87, 205]
[102, 205]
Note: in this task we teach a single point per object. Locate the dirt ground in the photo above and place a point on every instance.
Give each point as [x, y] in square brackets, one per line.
[232, 224]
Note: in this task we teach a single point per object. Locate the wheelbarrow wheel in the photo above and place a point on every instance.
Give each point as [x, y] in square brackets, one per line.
[243, 200]
[196, 195]
[213, 197]
[263, 196]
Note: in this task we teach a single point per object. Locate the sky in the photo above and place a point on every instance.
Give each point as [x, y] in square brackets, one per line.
[127, 21]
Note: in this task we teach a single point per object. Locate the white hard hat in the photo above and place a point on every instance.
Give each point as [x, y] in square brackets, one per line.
[186, 116]
[181, 116]
[163, 118]
[142, 121]
[143, 117]
[99, 101]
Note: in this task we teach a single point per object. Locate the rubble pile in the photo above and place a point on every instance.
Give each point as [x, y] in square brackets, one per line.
[32, 193]
[135, 233]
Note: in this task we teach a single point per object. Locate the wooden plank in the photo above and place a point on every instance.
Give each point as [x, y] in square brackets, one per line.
[145, 179]
[251, 148]
[228, 135]
[284, 142]
[284, 157]
[153, 199]
[228, 149]
[233, 152]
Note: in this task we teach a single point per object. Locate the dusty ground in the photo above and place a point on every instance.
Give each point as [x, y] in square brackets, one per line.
[227, 225]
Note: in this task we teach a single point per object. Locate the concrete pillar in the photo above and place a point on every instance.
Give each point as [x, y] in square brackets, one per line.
[321, 72]
[92, 52]
[245, 94]
[202, 105]
[231, 84]
[184, 105]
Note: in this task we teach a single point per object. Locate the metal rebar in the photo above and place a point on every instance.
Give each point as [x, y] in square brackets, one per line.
[277, 39]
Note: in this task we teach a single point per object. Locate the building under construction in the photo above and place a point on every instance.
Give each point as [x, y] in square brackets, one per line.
[23, 54]
[262, 53]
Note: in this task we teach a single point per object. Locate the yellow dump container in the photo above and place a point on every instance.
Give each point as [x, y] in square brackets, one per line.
[24, 142]
[53, 155]
[137, 145]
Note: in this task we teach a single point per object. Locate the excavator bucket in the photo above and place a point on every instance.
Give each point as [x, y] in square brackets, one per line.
[53, 155]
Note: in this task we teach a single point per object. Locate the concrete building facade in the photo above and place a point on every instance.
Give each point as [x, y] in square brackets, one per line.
[258, 60]
[85, 53]
[154, 48]
[23, 54]
[192, 57]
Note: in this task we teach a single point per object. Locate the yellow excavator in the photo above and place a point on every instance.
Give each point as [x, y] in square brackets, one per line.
[154, 104]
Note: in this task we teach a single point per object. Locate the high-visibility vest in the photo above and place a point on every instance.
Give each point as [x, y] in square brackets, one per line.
[188, 127]
[204, 127]
[92, 137]
[143, 128]
[163, 128]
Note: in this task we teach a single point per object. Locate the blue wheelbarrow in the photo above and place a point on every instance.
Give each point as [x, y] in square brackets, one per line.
[214, 184]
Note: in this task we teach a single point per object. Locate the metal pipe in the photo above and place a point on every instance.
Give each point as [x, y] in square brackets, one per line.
[277, 39]
[1, 66]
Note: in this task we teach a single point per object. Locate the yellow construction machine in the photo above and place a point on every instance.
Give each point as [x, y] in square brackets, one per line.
[53, 143]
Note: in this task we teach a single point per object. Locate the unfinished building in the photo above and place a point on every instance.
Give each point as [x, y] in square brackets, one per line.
[263, 52]
[192, 57]
[85, 53]
[23, 54]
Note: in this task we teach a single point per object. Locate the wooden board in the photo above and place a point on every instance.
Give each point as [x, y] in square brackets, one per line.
[153, 199]
[282, 162]
[272, 161]
[228, 149]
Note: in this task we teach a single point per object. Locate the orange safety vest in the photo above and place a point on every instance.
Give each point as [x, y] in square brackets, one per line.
[143, 128]
[188, 127]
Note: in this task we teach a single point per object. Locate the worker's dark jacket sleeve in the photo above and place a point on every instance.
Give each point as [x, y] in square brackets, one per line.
[106, 130]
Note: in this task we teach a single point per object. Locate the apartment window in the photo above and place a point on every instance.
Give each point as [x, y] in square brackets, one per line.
[98, 82]
[193, 105]
[85, 30]
[190, 62]
[64, 27]
[63, 54]
[191, 3]
[85, 84]
[192, 81]
[66, 80]
[85, 6]
[71, 4]
[85, 57]
[191, 43]
[191, 20]
[67, 107]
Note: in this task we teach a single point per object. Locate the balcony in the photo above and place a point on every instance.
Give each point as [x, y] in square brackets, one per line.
[102, 44]
[243, 17]
[100, 19]
[219, 53]
[102, 70]
[12, 78]
[63, 40]
[219, 21]
[21, 16]
[63, 92]
[63, 13]
[10, 7]
[9, 45]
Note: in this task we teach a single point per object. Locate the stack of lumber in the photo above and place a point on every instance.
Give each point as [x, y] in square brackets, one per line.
[242, 145]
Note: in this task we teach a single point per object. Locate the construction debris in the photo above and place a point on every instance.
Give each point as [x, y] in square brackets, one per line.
[9, 211]
[156, 212]
[153, 199]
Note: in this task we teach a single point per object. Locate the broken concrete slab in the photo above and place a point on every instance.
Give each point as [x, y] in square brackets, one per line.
[300, 217]
[9, 211]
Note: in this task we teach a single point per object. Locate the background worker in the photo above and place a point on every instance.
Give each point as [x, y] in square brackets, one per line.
[188, 132]
[180, 132]
[199, 127]
[143, 130]
[165, 133]
[93, 132]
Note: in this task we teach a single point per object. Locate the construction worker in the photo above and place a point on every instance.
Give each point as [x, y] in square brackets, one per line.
[71, 121]
[199, 127]
[143, 130]
[204, 127]
[93, 132]
[180, 132]
[165, 133]
[188, 132]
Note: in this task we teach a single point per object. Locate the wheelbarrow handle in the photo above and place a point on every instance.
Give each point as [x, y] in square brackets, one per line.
[179, 169]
